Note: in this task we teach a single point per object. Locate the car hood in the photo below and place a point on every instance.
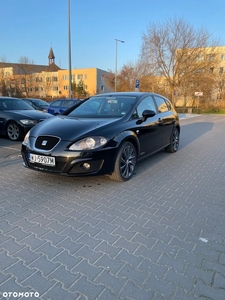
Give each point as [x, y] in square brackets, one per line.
[30, 113]
[69, 129]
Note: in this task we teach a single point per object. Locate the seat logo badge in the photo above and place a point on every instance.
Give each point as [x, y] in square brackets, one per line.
[44, 143]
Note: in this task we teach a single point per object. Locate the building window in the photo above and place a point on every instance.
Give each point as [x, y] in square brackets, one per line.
[54, 78]
[73, 78]
[65, 77]
[65, 87]
[199, 57]
[210, 70]
[80, 76]
[199, 71]
[222, 70]
[210, 57]
[223, 56]
[55, 88]
[102, 88]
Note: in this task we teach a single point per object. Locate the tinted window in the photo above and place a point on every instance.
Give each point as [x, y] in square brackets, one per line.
[146, 103]
[161, 104]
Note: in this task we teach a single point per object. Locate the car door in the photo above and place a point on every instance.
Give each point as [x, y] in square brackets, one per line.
[149, 132]
[54, 107]
[167, 118]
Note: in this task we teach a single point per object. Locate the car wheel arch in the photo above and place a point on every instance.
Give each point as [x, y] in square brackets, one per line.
[128, 136]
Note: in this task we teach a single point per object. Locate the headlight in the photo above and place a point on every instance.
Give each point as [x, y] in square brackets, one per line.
[28, 122]
[26, 138]
[89, 143]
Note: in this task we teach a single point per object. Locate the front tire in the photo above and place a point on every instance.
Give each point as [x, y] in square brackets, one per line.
[174, 141]
[125, 162]
[14, 131]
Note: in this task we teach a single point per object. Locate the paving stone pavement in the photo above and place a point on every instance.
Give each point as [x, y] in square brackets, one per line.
[160, 235]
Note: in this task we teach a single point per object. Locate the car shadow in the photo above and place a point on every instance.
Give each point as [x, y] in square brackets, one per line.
[189, 133]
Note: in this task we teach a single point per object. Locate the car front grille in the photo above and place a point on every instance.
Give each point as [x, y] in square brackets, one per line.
[46, 142]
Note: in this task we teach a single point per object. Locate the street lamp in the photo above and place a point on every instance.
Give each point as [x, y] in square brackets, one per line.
[116, 60]
[69, 49]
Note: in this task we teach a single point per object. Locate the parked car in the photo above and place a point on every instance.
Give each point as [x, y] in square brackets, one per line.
[60, 105]
[105, 134]
[37, 104]
[17, 117]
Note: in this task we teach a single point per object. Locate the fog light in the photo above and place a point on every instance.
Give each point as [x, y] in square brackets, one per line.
[86, 166]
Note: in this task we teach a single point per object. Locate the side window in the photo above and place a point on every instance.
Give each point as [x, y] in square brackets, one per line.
[168, 104]
[146, 103]
[56, 103]
[161, 104]
[67, 103]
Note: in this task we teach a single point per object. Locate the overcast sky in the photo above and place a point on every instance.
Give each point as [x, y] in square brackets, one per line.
[29, 28]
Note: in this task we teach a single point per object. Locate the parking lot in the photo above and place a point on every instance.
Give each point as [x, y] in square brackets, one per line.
[160, 235]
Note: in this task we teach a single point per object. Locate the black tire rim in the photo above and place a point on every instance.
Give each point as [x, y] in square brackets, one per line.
[127, 162]
[13, 131]
[175, 140]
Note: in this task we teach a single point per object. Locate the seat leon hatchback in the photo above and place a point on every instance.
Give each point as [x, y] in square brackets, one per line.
[104, 134]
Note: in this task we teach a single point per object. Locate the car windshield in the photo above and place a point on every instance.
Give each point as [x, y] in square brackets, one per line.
[104, 106]
[14, 104]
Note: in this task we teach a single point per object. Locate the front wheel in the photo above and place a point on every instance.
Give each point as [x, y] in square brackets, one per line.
[174, 141]
[14, 131]
[125, 162]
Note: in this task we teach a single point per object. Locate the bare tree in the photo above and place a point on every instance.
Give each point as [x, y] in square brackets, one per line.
[176, 51]
[26, 68]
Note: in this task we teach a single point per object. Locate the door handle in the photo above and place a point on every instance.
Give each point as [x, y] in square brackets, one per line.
[159, 120]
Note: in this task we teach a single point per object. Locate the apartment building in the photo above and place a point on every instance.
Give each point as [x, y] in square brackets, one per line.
[201, 76]
[49, 81]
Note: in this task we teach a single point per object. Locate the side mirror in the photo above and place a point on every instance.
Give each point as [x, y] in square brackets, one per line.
[148, 114]
[145, 115]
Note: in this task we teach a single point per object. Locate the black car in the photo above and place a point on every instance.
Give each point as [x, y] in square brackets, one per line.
[17, 117]
[37, 104]
[104, 134]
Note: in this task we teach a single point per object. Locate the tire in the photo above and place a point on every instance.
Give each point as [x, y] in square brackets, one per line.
[125, 162]
[14, 131]
[174, 141]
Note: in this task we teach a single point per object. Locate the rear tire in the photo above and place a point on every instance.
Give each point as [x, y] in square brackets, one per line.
[125, 162]
[14, 131]
[174, 141]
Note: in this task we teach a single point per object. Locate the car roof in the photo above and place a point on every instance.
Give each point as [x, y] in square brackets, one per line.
[64, 99]
[7, 97]
[136, 94]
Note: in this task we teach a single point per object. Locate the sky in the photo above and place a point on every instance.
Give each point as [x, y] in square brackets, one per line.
[28, 28]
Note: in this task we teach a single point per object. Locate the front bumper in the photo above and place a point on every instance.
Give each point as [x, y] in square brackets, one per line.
[71, 163]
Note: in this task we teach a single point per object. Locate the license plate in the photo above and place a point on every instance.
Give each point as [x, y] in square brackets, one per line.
[41, 159]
